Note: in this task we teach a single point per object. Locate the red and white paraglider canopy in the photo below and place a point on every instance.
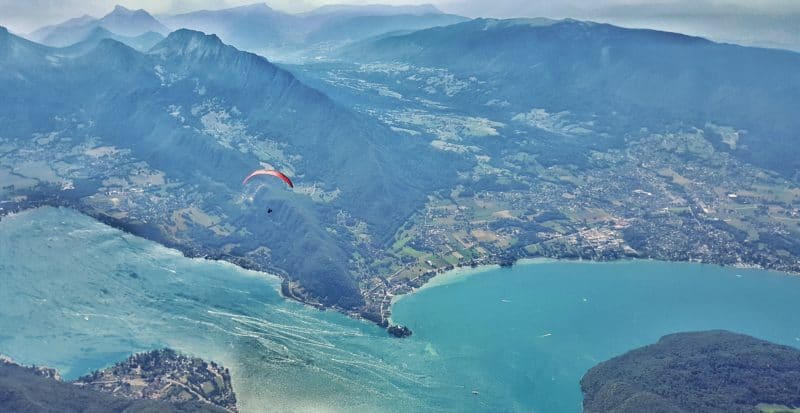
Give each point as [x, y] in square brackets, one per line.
[272, 172]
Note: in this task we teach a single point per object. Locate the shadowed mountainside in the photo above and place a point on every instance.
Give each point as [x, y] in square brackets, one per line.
[205, 114]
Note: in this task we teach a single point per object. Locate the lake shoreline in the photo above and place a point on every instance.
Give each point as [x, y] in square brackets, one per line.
[287, 288]
[462, 273]
[545, 326]
[520, 337]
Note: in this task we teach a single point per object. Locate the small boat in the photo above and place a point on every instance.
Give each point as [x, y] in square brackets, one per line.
[475, 393]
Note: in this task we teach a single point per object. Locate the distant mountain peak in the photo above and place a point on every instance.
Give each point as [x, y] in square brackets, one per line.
[111, 53]
[111, 46]
[122, 10]
[194, 35]
[254, 6]
[185, 42]
[131, 22]
[426, 8]
[429, 6]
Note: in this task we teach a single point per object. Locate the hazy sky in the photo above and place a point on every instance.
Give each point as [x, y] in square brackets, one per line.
[775, 20]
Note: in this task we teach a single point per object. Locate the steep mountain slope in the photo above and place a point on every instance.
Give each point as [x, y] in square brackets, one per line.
[121, 21]
[583, 141]
[196, 116]
[625, 77]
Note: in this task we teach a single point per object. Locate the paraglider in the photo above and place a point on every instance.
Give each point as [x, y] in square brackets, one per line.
[272, 172]
[277, 174]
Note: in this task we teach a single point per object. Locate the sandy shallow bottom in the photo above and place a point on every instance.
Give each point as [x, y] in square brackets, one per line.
[78, 295]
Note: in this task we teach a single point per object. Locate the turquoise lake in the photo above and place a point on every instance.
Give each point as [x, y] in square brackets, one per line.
[77, 295]
[526, 335]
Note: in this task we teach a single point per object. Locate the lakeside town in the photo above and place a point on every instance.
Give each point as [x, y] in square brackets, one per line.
[175, 381]
[629, 204]
[668, 196]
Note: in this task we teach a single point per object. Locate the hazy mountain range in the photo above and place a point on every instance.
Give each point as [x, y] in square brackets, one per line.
[633, 77]
[257, 27]
[121, 21]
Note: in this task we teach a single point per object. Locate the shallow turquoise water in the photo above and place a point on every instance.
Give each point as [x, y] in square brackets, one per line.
[77, 295]
[528, 334]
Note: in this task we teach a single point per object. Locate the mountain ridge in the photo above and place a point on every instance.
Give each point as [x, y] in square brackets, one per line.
[141, 43]
[120, 21]
[258, 27]
[604, 70]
